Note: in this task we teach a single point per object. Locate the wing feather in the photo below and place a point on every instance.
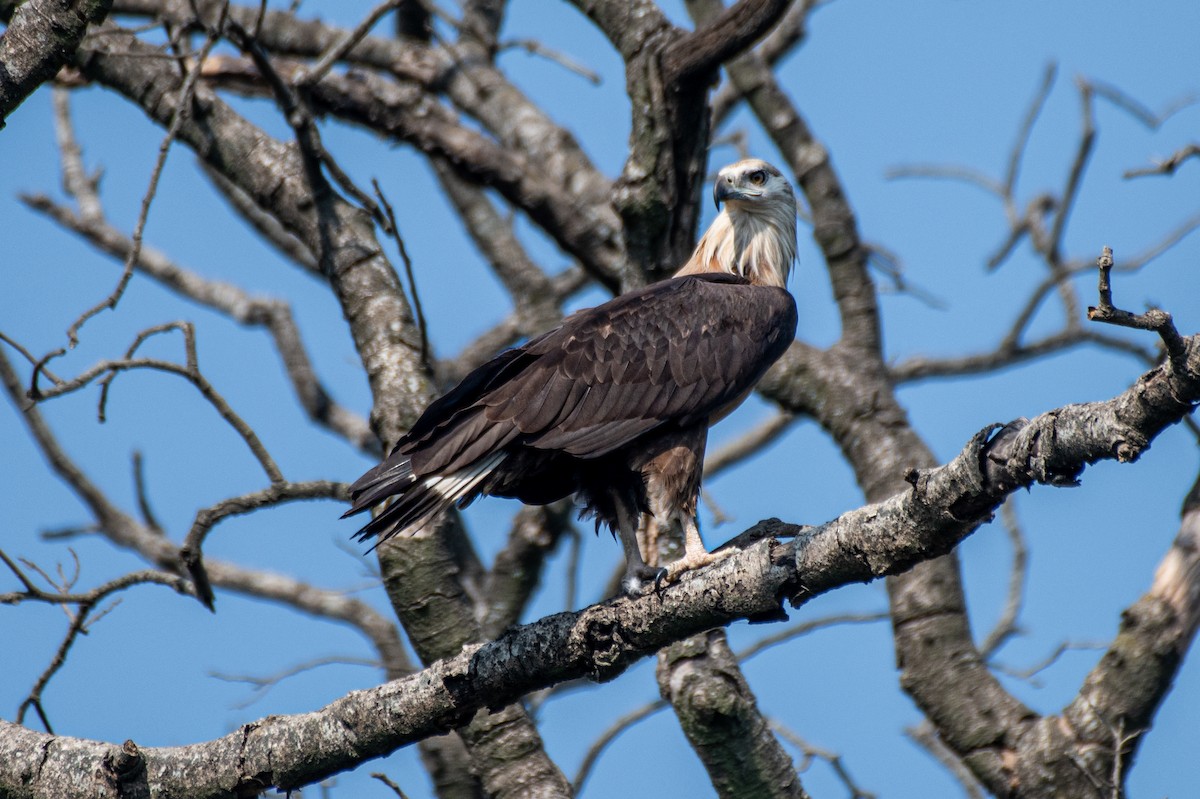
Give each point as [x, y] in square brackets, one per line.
[682, 348]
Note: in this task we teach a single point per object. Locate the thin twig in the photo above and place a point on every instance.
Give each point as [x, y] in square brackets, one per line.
[1021, 143]
[1139, 110]
[806, 627]
[195, 378]
[267, 225]
[16, 345]
[189, 347]
[749, 444]
[124, 531]
[1066, 204]
[393, 230]
[927, 738]
[889, 264]
[307, 77]
[811, 753]
[76, 182]
[1007, 625]
[961, 174]
[267, 312]
[183, 110]
[262, 685]
[79, 624]
[191, 553]
[143, 498]
[608, 736]
[1155, 319]
[379, 775]
[294, 104]
[536, 48]
[1029, 673]
[1167, 166]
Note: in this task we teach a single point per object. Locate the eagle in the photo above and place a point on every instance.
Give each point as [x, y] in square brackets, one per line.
[614, 404]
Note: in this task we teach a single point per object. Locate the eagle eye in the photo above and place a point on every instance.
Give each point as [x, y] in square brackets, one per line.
[757, 177]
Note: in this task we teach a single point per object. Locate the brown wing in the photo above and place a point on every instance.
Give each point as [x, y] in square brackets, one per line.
[673, 352]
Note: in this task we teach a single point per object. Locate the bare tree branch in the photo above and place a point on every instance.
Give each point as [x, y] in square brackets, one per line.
[260, 685]
[108, 368]
[722, 38]
[811, 753]
[750, 444]
[1167, 166]
[267, 225]
[1157, 320]
[614, 731]
[517, 570]
[338, 51]
[926, 737]
[40, 39]
[701, 679]
[1007, 625]
[780, 42]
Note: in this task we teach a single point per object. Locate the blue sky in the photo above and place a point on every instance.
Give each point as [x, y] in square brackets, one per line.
[882, 85]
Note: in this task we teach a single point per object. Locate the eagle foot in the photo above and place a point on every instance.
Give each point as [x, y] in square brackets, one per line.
[696, 559]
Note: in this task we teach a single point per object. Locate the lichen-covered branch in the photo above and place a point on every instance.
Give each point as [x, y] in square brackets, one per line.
[702, 680]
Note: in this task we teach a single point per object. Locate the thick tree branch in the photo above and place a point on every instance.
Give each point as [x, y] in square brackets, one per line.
[495, 740]
[429, 582]
[702, 680]
[41, 38]
[627, 24]
[787, 35]
[538, 306]
[261, 220]
[517, 570]
[722, 38]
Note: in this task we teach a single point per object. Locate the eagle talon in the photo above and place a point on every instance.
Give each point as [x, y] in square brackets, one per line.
[635, 579]
[659, 579]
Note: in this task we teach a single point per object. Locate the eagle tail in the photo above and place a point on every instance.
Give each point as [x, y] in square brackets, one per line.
[416, 500]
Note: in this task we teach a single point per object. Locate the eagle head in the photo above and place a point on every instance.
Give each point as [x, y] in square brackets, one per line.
[754, 235]
[752, 185]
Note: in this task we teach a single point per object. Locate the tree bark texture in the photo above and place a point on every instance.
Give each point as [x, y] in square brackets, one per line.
[41, 38]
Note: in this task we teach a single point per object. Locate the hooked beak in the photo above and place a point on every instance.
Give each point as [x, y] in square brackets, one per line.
[724, 190]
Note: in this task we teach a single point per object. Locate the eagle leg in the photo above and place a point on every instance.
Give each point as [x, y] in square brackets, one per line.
[637, 571]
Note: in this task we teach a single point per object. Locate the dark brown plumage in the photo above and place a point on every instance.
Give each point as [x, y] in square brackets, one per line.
[613, 405]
